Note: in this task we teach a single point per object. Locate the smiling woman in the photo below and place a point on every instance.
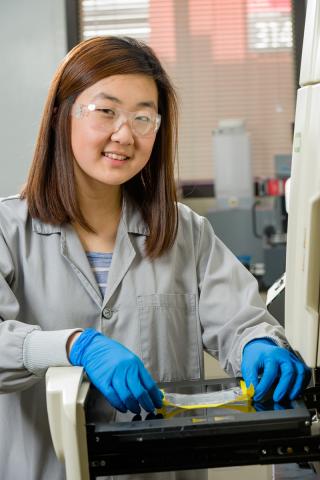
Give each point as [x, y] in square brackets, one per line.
[100, 267]
[123, 73]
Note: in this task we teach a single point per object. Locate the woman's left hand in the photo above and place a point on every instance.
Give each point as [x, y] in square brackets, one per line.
[262, 357]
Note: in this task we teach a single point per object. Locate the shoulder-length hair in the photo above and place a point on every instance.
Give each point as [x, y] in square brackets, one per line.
[51, 190]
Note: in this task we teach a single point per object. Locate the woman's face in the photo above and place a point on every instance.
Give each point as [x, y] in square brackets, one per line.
[107, 151]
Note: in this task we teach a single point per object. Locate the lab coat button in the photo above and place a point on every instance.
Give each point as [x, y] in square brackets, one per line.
[107, 313]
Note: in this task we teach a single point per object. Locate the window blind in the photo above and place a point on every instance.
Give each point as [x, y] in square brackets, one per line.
[117, 17]
[227, 58]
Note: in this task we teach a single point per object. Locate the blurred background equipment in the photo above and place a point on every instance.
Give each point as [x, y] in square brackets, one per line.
[249, 216]
[233, 172]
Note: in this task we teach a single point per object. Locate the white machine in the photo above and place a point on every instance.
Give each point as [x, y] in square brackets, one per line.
[303, 240]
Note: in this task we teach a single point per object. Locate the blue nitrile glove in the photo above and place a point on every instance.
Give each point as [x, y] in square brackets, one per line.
[116, 371]
[263, 357]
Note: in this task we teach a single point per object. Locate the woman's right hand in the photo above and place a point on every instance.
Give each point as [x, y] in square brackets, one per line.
[116, 371]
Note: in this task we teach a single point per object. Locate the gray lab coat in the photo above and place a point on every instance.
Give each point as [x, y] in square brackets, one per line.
[196, 297]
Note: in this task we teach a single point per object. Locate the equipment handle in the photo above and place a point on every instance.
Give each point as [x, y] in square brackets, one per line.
[312, 256]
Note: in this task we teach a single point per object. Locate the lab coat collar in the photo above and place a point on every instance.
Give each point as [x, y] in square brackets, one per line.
[133, 220]
[44, 228]
[124, 253]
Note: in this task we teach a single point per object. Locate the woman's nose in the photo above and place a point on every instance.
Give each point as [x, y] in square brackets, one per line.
[123, 133]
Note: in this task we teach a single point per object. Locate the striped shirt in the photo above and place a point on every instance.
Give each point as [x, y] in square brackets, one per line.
[100, 264]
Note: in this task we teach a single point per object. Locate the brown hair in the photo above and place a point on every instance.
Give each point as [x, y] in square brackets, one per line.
[51, 187]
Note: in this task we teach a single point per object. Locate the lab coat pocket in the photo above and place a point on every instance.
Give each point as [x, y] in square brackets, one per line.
[169, 336]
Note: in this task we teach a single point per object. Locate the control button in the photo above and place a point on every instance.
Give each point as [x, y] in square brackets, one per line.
[107, 313]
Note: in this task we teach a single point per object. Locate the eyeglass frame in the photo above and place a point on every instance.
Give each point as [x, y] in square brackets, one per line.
[92, 107]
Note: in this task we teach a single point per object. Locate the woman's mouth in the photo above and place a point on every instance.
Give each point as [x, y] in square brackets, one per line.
[115, 156]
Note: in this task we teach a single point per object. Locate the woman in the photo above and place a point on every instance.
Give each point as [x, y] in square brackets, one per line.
[101, 267]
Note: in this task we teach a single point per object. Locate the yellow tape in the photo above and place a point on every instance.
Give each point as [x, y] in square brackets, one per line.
[178, 410]
[246, 396]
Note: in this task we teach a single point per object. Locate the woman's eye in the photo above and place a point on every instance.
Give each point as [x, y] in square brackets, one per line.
[108, 112]
[143, 119]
